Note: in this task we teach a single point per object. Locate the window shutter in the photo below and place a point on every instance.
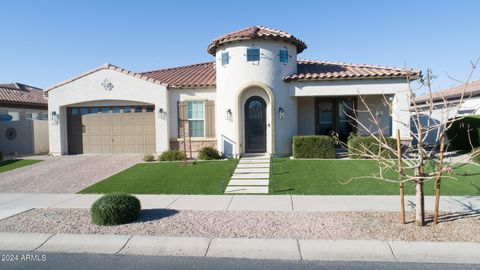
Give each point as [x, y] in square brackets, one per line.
[210, 119]
[182, 115]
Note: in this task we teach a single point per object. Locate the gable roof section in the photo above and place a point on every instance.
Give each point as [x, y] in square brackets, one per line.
[110, 67]
[17, 93]
[470, 90]
[256, 32]
[313, 70]
[192, 76]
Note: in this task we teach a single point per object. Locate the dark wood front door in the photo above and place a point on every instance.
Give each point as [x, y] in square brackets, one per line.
[255, 125]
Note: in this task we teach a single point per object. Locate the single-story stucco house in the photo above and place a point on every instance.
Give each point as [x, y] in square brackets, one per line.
[457, 101]
[254, 96]
[23, 120]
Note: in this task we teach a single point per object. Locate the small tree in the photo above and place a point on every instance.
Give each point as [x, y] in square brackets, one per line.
[422, 161]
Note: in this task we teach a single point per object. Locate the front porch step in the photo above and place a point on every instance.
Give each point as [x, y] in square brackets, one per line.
[252, 170]
[244, 161]
[255, 156]
[253, 165]
[247, 190]
[250, 175]
[249, 182]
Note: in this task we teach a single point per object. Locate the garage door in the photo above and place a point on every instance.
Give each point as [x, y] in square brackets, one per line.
[111, 130]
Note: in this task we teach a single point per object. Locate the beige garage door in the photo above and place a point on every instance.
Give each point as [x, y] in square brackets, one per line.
[111, 130]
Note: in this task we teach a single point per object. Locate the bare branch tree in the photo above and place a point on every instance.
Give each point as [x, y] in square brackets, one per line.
[422, 161]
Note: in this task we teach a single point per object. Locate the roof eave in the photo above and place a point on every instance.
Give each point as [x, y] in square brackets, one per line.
[213, 47]
[110, 67]
[412, 78]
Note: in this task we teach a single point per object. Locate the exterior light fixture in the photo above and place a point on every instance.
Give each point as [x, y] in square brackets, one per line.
[281, 112]
[54, 117]
[228, 115]
[162, 113]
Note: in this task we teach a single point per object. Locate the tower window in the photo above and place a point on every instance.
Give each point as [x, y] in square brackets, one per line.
[283, 56]
[253, 54]
[225, 58]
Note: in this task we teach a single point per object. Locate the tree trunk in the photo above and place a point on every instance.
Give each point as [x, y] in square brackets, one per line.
[400, 172]
[420, 198]
[438, 181]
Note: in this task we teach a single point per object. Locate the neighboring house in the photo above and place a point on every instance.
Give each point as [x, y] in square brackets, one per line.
[23, 120]
[254, 97]
[22, 102]
[449, 103]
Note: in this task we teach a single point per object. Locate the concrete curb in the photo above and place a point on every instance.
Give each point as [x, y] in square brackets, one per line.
[285, 249]
[85, 243]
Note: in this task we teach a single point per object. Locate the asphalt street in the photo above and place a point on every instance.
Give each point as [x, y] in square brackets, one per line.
[39, 260]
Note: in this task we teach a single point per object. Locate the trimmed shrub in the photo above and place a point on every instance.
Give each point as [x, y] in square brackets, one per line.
[208, 153]
[115, 209]
[458, 133]
[357, 143]
[313, 147]
[171, 155]
[148, 158]
[1, 155]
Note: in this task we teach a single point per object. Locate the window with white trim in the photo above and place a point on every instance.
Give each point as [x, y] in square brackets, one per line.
[196, 118]
[283, 55]
[225, 58]
[253, 54]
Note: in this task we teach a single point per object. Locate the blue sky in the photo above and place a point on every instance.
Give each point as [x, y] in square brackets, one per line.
[45, 42]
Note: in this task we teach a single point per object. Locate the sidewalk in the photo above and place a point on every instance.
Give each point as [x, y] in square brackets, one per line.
[284, 249]
[15, 203]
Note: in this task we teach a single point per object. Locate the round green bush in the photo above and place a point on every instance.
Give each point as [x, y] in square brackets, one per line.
[208, 153]
[171, 155]
[115, 209]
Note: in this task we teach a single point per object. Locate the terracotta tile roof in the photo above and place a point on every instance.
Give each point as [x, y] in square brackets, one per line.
[324, 70]
[111, 67]
[17, 93]
[256, 32]
[192, 76]
[470, 90]
[203, 75]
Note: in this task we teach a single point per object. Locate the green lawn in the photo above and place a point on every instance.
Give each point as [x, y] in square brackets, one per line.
[11, 164]
[326, 177]
[168, 178]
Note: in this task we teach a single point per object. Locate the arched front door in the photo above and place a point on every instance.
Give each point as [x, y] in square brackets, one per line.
[255, 125]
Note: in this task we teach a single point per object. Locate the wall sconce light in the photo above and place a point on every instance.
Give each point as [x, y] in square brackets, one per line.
[162, 113]
[228, 115]
[54, 117]
[281, 112]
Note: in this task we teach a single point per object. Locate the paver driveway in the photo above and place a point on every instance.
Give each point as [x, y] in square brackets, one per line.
[65, 174]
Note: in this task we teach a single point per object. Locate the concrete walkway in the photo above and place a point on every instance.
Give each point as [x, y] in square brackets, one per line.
[65, 174]
[15, 203]
[284, 249]
[251, 175]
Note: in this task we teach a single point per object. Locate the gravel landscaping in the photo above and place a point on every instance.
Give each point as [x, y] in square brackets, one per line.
[258, 224]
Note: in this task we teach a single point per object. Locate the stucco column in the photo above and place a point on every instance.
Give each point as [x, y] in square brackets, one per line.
[56, 134]
[401, 115]
[161, 122]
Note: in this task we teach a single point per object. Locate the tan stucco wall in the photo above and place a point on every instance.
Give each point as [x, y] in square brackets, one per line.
[32, 137]
[40, 137]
